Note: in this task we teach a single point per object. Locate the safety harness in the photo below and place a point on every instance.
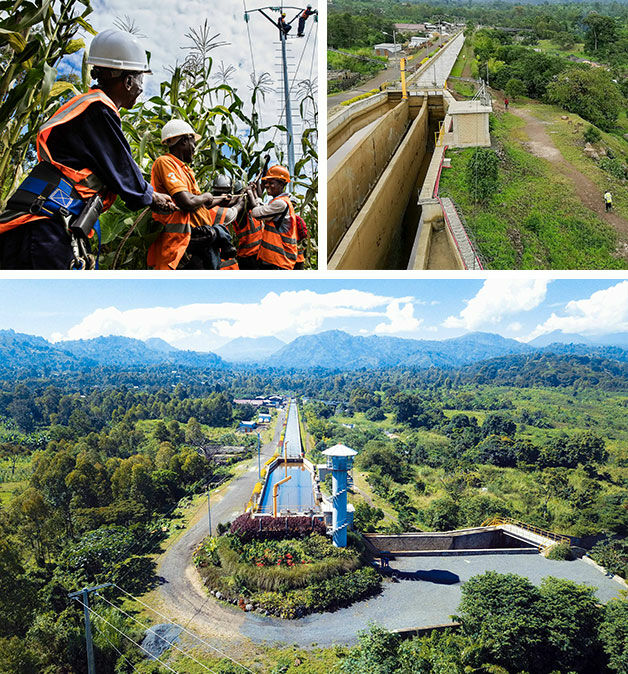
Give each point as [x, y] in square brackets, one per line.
[47, 193]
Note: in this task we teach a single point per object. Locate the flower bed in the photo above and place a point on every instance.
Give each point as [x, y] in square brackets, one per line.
[287, 578]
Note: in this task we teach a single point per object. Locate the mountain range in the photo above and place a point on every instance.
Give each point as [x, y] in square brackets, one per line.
[332, 349]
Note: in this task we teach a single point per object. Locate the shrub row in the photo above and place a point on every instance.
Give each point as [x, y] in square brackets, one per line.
[275, 528]
[327, 595]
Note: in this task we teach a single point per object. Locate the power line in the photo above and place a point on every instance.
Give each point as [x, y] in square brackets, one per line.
[161, 615]
[91, 610]
[170, 643]
[139, 545]
[120, 653]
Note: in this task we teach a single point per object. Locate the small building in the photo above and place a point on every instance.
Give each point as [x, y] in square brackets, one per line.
[418, 41]
[386, 49]
[410, 27]
[470, 123]
[247, 426]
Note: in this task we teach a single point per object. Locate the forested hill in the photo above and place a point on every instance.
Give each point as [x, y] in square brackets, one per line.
[550, 369]
[29, 355]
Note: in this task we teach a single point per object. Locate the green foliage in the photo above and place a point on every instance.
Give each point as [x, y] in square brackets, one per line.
[560, 552]
[376, 653]
[482, 173]
[366, 517]
[515, 88]
[590, 93]
[592, 134]
[612, 554]
[615, 166]
[614, 635]
[34, 38]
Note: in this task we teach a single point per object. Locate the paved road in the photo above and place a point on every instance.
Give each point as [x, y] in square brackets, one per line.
[419, 602]
[181, 594]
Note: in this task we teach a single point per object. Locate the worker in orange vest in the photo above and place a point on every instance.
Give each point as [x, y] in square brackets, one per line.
[191, 226]
[303, 17]
[84, 162]
[278, 248]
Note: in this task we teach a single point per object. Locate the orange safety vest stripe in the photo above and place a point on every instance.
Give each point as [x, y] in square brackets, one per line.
[168, 248]
[250, 237]
[276, 248]
[229, 264]
[86, 183]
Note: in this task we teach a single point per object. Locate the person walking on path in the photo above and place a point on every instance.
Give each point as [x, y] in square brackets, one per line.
[608, 200]
[506, 101]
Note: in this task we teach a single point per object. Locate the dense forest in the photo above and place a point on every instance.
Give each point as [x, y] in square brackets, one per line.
[95, 467]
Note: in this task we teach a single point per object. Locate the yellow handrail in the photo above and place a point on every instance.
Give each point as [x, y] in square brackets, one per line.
[496, 521]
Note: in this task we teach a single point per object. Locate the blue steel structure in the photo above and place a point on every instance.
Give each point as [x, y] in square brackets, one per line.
[341, 462]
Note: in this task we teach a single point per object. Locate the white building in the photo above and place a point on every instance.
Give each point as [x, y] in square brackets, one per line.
[386, 49]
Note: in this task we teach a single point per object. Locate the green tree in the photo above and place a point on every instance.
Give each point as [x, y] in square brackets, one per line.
[614, 635]
[482, 173]
[572, 616]
[366, 517]
[376, 653]
[504, 614]
[601, 31]
[515, 88]
[590, 93]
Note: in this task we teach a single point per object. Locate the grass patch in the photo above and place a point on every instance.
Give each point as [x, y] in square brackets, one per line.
[550, 47]
[535, 220]
[464, 57]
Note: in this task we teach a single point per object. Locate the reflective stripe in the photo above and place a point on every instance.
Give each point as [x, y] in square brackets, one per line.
[276, 249]
[177, 228]
[63, 111]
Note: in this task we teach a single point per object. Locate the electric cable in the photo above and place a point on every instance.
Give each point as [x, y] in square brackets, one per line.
[120, 653]
[161, 615]
[147, 628]
[91, 610]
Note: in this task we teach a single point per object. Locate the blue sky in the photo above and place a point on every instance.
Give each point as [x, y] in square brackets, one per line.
[204, 314]
[164, 24]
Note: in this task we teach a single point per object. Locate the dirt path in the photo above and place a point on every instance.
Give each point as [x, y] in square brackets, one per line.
[181, 594]
[541, 145]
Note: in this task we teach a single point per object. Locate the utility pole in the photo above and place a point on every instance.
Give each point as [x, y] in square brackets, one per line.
[283, 27]
[209, 512]
[91, 667]
[259, 460]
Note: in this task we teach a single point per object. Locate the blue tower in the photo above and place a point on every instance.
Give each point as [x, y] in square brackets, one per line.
[341, 461]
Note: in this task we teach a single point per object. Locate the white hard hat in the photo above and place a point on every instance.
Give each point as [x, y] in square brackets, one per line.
[118, 50]
[175, 128]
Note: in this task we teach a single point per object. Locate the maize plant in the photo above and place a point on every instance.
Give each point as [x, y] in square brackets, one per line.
[34, 36]
[232, 143]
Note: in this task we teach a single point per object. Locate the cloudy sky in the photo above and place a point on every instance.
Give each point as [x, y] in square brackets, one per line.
[204, 314]
[165, 25]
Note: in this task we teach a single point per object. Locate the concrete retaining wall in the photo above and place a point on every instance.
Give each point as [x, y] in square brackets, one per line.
[353, 118]
[368, 242]
[351, 181]
[487, 538]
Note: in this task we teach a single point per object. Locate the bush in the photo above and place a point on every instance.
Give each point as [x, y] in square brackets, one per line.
[560, 552]
[275, 528]
[515, 88]
[592, 134]
[615, 167]
[482, 174]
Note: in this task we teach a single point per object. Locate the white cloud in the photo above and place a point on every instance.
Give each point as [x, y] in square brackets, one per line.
[497, 299]
[515, 327]
[401, 319]
[165, 25]
[291, 313]
[603, 312]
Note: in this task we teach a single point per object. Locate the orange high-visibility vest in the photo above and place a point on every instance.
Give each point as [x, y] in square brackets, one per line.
[169, 247]
[86, 182]
[249, 236]
[276, 248]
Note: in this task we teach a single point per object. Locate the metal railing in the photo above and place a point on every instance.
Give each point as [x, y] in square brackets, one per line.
[497, 521]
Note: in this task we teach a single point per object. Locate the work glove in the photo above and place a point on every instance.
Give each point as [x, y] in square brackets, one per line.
[201, 238]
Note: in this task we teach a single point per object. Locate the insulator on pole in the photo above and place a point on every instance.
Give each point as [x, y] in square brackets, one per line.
[246, 16]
